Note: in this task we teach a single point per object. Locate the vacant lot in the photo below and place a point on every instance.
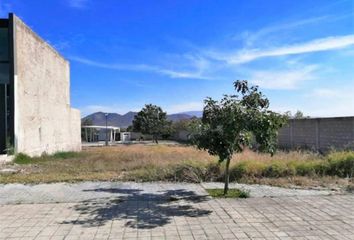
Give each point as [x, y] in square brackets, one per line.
[184, 164]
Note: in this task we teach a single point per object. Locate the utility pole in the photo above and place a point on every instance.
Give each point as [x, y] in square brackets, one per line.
[106, 143]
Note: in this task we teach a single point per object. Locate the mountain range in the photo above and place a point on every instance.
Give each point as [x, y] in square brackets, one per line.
[125, 120]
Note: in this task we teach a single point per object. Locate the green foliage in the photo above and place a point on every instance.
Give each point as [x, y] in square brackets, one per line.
[65, 155]
[22, 158]
[182, 125]
[340, 164]
[229, 125]
[65, 166]
[297, 115]
[278, 169]
[152, 120]
[307, 168]
[130, 128]
[189, 171]
[238, 171]
[232, 193]
[86, 122]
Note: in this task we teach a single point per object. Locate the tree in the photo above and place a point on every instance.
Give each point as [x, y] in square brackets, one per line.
[151, 120]
[181, 125]
[86, 122]
[298, 115]
[235, 122]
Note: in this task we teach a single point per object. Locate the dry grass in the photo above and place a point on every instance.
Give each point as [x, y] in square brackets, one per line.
[184, 163]
[106, 163]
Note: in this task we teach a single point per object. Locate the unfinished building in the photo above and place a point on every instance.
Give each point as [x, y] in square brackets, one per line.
[35, 112]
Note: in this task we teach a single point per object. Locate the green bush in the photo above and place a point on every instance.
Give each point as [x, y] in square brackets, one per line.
[238, 171]
[341, 164]
[148, 174]
[305, 168]
[65, 155]
[22, 158]
[275, 169]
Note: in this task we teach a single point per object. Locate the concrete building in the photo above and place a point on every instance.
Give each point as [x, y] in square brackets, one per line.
[35, 112]
[99, 133]
[125, 137]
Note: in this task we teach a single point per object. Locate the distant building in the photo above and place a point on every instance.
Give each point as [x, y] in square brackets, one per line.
[35, 112]
[94, 133]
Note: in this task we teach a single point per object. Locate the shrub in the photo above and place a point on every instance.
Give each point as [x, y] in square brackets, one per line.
[238, 171]
[65, 155]
[22, 158]
[275, 169]
[305, 168]
[147, 174]
[189, 173]
[213, 172]
[341, 164]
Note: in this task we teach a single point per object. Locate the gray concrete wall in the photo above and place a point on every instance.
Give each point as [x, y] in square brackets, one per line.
[44, 120]
[318, 133]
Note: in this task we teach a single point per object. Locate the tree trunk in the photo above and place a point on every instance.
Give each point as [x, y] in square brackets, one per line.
[155, 139]
[227, 176]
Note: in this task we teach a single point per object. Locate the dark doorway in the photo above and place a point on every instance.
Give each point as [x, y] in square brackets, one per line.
[4, 85]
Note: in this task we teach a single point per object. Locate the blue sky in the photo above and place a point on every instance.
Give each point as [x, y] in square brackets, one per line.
[124, 54]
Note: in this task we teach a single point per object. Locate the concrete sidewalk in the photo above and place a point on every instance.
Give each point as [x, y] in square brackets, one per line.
[66, 192]
[104, 210]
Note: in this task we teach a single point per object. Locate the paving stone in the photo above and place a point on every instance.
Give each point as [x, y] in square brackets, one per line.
[146, 211]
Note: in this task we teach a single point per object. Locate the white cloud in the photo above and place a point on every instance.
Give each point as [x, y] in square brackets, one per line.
[285, 79]
[322, 44]
[196, 74]
[79, 4]
[134, 67]
[252, 37]
[326, 93]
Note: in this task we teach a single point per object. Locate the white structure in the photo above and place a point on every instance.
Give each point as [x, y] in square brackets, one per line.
[99, 133]
[125, 137]
[35, 112]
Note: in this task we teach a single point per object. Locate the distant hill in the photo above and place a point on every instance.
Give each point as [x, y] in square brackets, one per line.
[178, 117]
[198, 114]
[125, 120]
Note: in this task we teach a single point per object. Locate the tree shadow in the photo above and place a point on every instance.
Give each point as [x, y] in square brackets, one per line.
[138, 209]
